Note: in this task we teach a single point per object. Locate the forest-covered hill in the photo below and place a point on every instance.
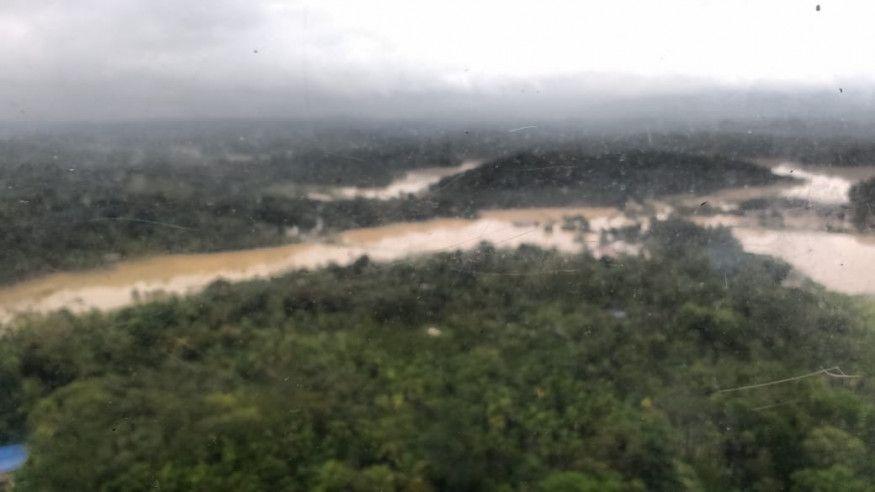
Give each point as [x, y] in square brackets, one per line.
[570, 176]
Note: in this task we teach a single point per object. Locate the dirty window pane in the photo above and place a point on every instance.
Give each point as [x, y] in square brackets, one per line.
[398, 246]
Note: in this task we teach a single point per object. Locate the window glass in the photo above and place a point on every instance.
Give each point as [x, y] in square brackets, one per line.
[421, 246]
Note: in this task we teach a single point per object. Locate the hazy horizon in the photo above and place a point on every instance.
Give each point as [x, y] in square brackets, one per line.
[98, 60]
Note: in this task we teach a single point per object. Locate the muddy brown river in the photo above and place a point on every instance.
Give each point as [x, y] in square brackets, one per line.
[128, 281]
[840, 261]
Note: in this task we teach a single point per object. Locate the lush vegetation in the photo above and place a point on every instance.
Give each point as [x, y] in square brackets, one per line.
[56, 219]
[76, 202]
[862, 198]
[560, 177]
[65, 207]
[489, 370]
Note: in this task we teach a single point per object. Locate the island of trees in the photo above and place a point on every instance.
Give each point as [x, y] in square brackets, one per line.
[572, 176]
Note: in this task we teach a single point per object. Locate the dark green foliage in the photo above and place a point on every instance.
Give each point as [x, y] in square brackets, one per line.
[58, 214]
[562, 177]
[528, 379]
[862, 198]
[578, 482]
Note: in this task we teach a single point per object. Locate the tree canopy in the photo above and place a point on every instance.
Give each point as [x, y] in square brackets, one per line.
[488, 370]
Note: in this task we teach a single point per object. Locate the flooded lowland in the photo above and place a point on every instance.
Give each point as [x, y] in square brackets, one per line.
[802, 223]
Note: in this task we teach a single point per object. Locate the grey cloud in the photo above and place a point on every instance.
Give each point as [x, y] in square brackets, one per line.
[134, 59]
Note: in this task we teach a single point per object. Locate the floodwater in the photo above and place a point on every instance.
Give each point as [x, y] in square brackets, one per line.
[130, 281]
[820, 187]
[840, 261]
[412, 182]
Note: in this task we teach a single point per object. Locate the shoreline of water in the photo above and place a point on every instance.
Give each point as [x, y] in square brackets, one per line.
[128, 282]
[412, 182]
[830, 258]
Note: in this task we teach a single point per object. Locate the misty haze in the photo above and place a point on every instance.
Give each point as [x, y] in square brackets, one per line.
[416, 246]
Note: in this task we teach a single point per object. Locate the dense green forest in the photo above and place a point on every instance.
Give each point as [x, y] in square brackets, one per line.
[570, 176]
[862, 198]
[488, 370]
[55, 219]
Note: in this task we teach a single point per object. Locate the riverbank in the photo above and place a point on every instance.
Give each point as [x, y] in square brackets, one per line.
[840, 261]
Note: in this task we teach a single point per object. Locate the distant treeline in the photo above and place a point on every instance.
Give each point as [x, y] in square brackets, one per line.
[691, 368]
[317, 156]
[806, 147]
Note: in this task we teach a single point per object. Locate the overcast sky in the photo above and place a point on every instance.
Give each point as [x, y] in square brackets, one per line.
[99, 59]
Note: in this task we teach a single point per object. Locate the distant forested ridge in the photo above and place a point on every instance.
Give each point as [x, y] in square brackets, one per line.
[809, 148]
[489, 370]
[862, 198]
[561, 177]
